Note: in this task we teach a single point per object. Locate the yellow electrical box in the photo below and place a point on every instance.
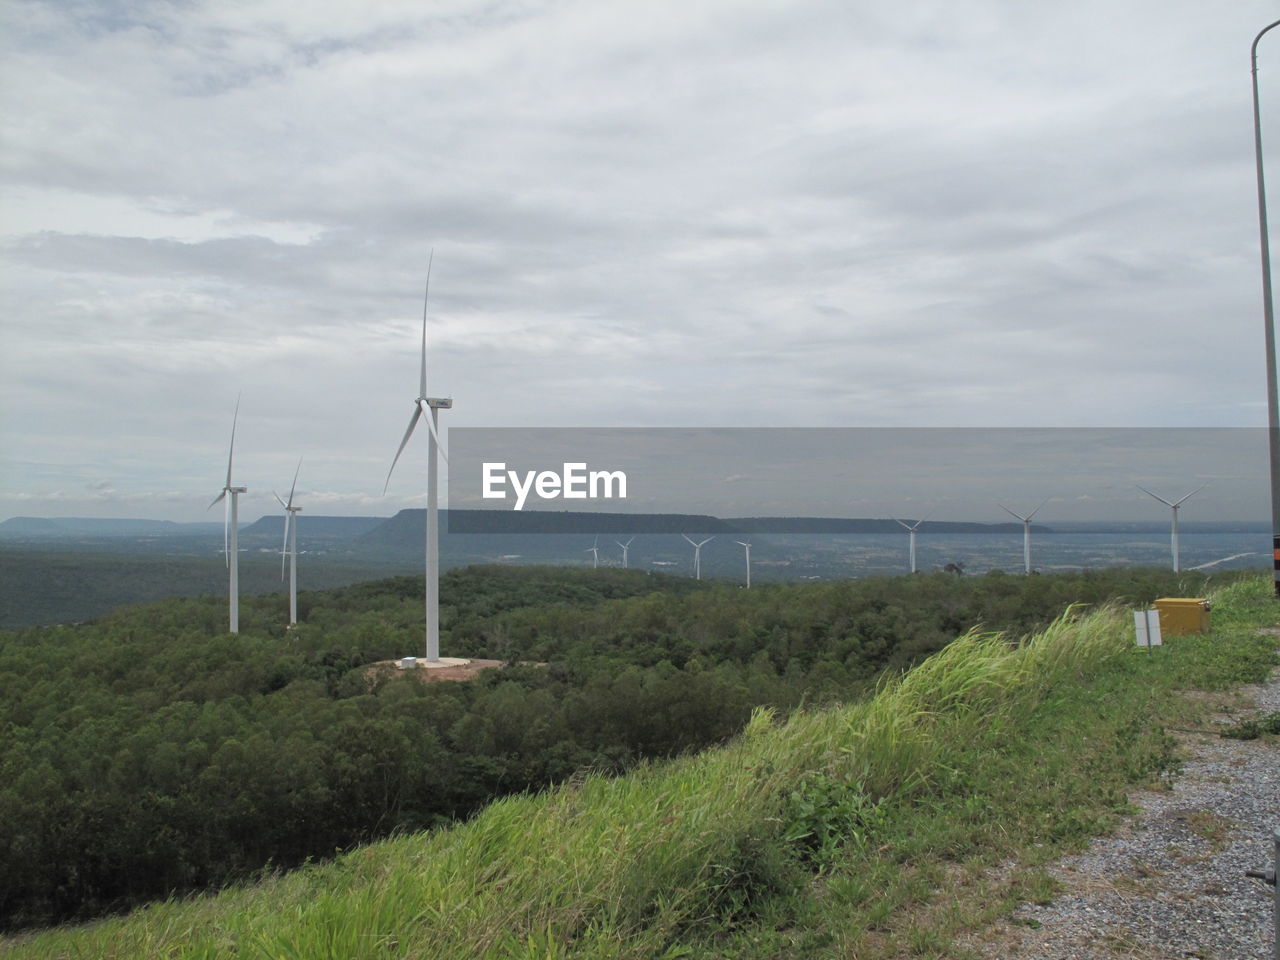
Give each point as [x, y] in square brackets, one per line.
[1179, 615]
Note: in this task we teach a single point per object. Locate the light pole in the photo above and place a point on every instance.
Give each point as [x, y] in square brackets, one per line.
[1268, 318]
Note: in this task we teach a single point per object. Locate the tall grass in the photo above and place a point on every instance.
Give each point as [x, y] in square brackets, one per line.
[632, 866]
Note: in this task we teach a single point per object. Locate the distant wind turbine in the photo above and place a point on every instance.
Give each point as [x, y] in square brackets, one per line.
[230, 528]
[911, 529]
[430, 406]
[697, 555]
[1026, 532]
[290, 546]
[1177, 563]
[625, 547]
[743, 543]
[594, 550]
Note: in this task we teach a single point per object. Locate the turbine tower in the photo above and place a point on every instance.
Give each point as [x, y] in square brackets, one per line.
[1026, 532]
[594, 550]
[231, 530]
[911, 529]
[697, 555]
[625, 547]
[290, 546]
[430, 406]
[1177, 563]
[743, 543]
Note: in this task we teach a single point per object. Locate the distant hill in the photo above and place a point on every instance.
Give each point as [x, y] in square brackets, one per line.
[99, 527]
[839, 525]
[328, 528]
[25, 526]
[408, 527]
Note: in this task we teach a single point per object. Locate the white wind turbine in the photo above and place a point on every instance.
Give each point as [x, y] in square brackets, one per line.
[1177, 563]
[911, 529]
[594, 550]
[429, 406]
[1026, 532]
[697, 555]
[743, 543]
[290, 546]
[625, 547]
[230, 528]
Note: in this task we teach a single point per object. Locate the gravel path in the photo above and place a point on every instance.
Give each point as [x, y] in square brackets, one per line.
[1171, 883]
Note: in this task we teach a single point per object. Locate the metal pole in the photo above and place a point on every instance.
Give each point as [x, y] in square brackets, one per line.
[234, 585]
[1268, 314]
[1177, 562]
[433, 549]
[293, 569]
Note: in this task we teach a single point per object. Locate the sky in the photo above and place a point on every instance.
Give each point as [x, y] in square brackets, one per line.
[758, 213]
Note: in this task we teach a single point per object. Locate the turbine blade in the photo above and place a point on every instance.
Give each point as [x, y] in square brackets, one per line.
[431, 425]
[903, 523]
[1150, 494]
[217, 499]
[690, 539]
[426, 294]
[284, 547]
[1010, 512]
[295, 484]
[278, 500]
[226, 533]
[1191, 494]
[413, 422]
[1037, 509]
[232, 451]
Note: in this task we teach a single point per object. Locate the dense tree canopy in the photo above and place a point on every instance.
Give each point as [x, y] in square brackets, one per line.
[150, 751]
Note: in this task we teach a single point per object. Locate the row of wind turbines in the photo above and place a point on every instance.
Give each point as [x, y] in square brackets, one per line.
[231, 534]
[429, 407]
[1026, 528]
[912, 529]
[594, 550]
[289, 550]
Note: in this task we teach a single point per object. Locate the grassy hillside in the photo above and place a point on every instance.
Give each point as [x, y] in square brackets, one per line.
[851, 830]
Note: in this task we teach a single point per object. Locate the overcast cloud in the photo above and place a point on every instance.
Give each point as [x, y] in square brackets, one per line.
[735, 212]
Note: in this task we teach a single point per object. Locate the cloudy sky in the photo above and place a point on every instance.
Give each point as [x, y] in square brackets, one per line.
[816, 213]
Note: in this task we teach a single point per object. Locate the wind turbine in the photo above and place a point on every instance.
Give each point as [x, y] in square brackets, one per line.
[743, 543]
[290, 546]
[230, 528]
[1177, 564]
[429, 405]
[594, 550]
[697, 555]
[911, 529]
[625, 547]
[1026, 532]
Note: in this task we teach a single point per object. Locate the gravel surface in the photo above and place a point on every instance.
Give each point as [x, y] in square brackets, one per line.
[1170, 883]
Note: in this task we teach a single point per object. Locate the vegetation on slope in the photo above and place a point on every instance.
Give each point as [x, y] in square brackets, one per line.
[854, 830]
[151, 752]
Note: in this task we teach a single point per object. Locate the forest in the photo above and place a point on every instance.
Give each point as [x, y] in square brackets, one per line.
[150, 752]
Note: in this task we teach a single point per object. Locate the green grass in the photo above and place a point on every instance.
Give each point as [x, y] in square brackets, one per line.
[867, 830]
